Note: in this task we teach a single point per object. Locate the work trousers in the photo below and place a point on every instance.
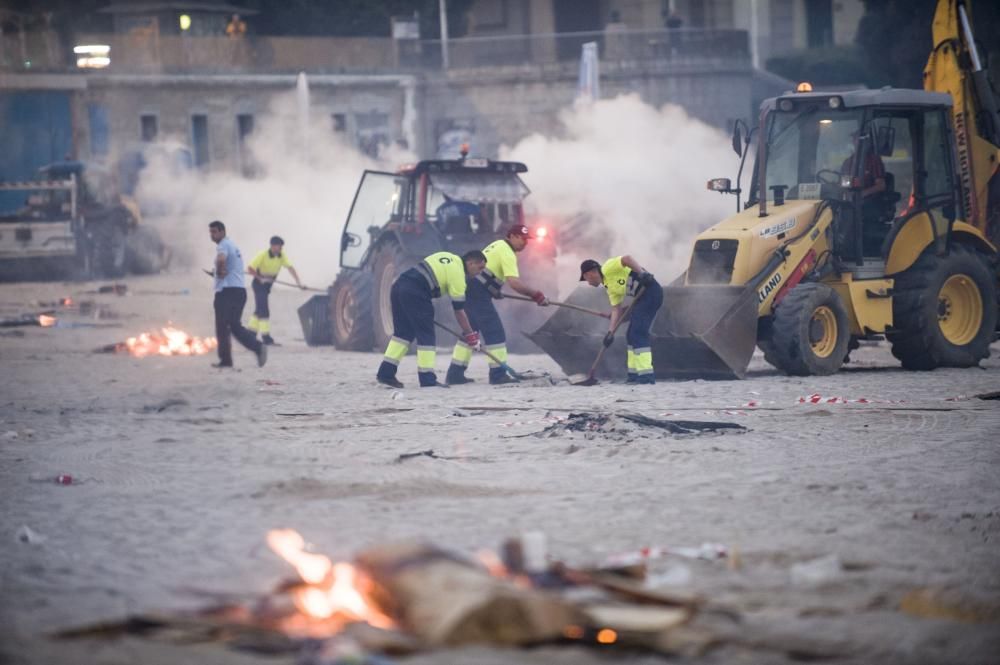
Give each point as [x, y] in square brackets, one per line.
[261, 319]
[640, 354]
[229, 304]
[412, 318]
[484, 317]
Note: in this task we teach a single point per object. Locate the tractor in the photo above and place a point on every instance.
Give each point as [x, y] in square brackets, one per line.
[396, 219]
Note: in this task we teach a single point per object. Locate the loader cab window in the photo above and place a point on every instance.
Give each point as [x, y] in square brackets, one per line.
[805, 151]
[936, 187]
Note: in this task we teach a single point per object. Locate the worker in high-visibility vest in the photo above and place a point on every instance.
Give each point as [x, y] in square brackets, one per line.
[412, 296]
[265, 268]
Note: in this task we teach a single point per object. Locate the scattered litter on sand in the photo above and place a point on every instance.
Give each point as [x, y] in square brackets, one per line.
[817, 572]
[28, 537]
[433, 455]
[629, 426]
[164, 405]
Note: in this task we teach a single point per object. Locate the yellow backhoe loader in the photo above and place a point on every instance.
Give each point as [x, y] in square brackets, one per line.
[872, 214]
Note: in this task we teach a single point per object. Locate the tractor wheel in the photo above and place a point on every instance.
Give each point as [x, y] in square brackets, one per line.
[389, 263]
[944, 311]
[109, 245]
[810, 332]
[351, 301]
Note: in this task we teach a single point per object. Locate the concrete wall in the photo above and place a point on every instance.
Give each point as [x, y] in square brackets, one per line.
[361, 102]
[501, 107]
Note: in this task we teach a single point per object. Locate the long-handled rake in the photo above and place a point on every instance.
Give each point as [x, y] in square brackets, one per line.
[591, 380]
[278, 281]
[504, 366]
[557, 303]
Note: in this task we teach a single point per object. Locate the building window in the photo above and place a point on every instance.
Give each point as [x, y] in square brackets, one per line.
[819, 23]
[98, 117]
[339, 122]
[149, 127]
[199, 139]
[244, 128]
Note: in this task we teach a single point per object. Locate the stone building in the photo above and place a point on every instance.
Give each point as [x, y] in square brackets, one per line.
[178, 72]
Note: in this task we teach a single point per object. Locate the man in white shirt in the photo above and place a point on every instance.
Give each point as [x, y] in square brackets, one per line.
[230, 298]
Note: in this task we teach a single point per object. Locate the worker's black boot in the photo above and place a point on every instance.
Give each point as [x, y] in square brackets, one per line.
[646, 380]
[429, 380]
[456, 376]
[267, 339]
[632, 378]
[499, 376]
[387, 375]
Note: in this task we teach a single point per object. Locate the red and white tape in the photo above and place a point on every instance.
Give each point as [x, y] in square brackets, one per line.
[816, 398]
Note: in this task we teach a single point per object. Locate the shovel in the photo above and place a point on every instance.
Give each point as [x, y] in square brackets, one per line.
[504, 366]
[591, 380]
[585, 310]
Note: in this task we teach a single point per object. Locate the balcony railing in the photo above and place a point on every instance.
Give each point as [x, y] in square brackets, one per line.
[172, 54]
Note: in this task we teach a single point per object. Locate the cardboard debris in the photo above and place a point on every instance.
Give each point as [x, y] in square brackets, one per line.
[436, 598]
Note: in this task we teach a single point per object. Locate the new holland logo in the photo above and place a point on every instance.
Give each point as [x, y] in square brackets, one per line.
[771, 285]
[715, 244]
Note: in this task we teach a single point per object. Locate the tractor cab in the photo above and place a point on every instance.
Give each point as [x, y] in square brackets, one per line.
[445, 204]
[397, 219]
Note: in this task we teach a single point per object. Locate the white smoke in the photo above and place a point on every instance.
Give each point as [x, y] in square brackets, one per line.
[302, 192]
[627, 178]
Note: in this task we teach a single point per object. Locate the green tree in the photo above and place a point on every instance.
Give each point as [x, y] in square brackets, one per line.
[895, 37]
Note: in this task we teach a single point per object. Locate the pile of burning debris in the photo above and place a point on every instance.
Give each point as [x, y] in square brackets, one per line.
[167, 341]
[406, 598]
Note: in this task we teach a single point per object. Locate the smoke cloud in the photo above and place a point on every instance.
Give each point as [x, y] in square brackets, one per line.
[302, 191]
[626, 178]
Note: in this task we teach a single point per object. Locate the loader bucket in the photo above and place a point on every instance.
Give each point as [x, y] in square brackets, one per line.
[706, 332]
[573, 338]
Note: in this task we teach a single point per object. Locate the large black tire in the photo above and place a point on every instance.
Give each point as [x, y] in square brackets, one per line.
[109, 249]
[944, 311]
[351, 299]
[388, 263]
[314, 315]
[810, 332]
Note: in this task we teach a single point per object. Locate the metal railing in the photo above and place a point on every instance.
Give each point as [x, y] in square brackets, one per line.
[184, 54]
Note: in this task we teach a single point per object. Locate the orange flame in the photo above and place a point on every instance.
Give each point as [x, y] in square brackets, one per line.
[607, 636]
[334, 591]
[169, 341]
[46, 321]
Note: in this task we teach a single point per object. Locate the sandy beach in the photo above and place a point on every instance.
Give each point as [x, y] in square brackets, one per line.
[181, 469]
